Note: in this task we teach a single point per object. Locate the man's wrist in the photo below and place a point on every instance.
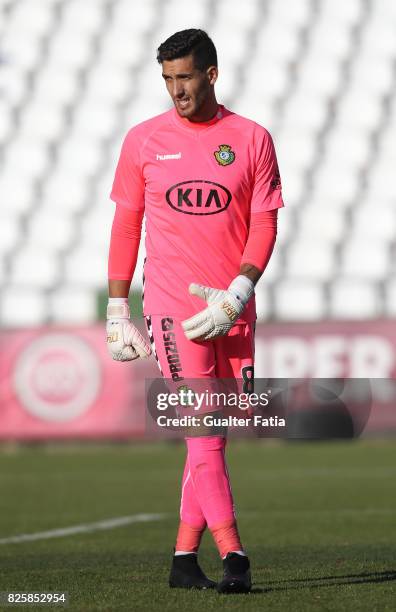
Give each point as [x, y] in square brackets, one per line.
[118, 308]
[242, 288]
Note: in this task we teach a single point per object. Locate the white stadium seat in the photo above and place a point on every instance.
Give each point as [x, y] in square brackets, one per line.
[86, 267]
[361, 112]
[10, 233]
[65, 191]
[364, 258]
[73, 305]
[354, 299]
[296, 13]
[390, 298]
[347, 146]
[22, 307]
[42, 122]
[56, 86]
[310, 259]
[327, 223]
[16, 195]
[374, 220]
[296, 300]
[85, 17]
[277, 41]
[342, 12]
[51, 228]
[34, 266]
[79, 155]
[13, 83]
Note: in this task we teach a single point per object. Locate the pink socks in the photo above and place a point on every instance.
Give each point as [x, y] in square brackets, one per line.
[207, 497]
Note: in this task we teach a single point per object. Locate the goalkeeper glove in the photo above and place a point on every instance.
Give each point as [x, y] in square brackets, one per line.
[124, 341]
[224, 308]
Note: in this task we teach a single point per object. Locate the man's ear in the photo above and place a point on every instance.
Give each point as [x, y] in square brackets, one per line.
[213, 73]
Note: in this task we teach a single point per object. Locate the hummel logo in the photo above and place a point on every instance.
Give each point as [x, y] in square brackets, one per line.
[170, 156]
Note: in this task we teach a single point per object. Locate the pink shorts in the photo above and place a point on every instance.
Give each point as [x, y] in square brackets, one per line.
[227, 357]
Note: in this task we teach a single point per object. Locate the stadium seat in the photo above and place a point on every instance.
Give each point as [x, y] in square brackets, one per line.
[13, 83]
[54, 86]
[33, 18]
[296, 13]
[277, 41]
[42, 122]
[34, 266]
[22, 307]
[361, 112]
[375, 220]
[372, 76]
[390, 297]
[86, 267]
[122, 49]
[16, 196]
[10, 233]
[71, 50]
[365, 259]
[299, 301]
[83, 17]
[26, 157]
[304, 110]
[72, 305]
[344, 13]
[94, 119]
[327, 223]
[319, 76]
[51, 228]
[354, 299]
[65, 191]
[310, 259]
[79, 155]
[347, 146]
[336, 183]
[378, 38]
[134, 16]
[20, 51]
[296, 149]
[263, 301]
[95, 227]
[117, 80]
[331, 40]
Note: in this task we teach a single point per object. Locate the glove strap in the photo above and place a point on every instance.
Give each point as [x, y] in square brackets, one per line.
[118, 308]
[242, 289]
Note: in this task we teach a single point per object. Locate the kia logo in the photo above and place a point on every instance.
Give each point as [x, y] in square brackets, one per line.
[198, 197]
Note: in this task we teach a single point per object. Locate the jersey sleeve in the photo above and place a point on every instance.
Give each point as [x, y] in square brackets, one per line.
[267, 187]
[128, 185]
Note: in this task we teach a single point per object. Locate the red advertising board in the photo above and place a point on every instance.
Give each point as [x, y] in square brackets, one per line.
[60, 383]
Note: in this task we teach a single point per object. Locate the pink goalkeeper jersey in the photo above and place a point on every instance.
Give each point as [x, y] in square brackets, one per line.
[198, 185]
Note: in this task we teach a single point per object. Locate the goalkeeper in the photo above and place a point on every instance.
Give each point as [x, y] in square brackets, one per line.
[207, 181]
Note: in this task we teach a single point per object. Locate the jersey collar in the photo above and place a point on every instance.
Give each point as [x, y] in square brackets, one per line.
[195, 127]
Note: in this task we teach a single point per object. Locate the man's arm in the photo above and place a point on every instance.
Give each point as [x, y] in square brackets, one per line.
[225, 306]
[119, 288]
[124, 341]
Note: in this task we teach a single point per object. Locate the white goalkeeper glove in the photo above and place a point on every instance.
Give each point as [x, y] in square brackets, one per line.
[224, 308]
[124, 341]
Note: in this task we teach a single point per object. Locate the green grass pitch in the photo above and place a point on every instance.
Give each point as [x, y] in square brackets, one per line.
[318, 520]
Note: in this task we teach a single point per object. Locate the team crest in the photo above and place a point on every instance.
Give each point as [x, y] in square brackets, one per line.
[225, 155]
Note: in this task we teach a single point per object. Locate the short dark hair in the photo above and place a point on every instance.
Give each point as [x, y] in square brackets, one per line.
[186, 42]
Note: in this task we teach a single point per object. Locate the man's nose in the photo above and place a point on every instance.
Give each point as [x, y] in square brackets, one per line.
[178, 89]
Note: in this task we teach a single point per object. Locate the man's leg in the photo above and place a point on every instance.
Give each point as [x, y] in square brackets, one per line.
[193, 361]
[234, 360]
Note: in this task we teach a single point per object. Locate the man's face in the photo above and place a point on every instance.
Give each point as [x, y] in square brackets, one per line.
[188, 87]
